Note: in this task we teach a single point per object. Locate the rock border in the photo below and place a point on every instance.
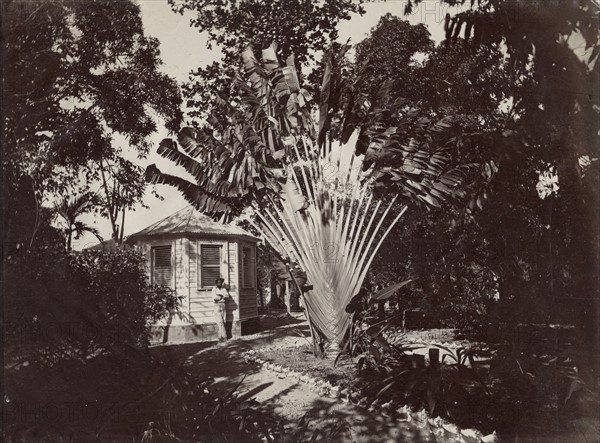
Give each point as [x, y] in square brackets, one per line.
[438, 426]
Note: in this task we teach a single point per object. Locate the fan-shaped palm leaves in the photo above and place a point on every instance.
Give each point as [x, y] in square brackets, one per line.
[70, 209]
[311, 198]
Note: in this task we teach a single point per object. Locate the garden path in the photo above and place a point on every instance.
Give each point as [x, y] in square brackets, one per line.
[290, 400]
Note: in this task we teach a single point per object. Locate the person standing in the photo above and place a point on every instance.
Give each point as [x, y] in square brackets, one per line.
[220, 296]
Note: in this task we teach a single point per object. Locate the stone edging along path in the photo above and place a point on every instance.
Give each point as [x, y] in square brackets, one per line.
[421, 418]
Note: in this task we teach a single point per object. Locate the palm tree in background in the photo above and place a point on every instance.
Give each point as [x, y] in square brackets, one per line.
[69, 210]
[323, 194]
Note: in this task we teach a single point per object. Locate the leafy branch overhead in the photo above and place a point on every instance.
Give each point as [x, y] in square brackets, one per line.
[240, 154]
[68, 53]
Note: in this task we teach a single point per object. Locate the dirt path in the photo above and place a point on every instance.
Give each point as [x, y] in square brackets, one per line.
[290, 400]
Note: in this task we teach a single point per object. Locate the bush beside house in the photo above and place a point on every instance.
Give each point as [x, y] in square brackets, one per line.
[76, 305]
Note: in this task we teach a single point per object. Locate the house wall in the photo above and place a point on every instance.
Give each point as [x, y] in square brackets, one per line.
[182, 272]
[201, 303]
[248, 295]
[179, 263]
[198, 322]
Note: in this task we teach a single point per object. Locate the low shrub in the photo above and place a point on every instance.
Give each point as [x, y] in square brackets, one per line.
[60, 305]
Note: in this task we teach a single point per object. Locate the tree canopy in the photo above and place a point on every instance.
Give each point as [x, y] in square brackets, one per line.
[299, 27]
[392, 52]
[74, 74]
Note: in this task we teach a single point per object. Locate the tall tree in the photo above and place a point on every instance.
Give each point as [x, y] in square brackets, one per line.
[521, 119]
[301, 27]
[393, 51]
[123, 186]
[74, 73]
[317, 204]
[470, 83]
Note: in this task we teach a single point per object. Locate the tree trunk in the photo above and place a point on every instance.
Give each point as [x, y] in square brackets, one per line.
[122, 231]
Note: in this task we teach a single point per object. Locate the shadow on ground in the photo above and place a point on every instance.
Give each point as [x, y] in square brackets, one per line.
[288, 400]
[103, 398]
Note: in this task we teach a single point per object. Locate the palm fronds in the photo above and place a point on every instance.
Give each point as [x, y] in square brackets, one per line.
[70, 209]
[333, 234]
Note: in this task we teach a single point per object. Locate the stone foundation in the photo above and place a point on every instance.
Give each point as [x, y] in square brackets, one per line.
[184, 333]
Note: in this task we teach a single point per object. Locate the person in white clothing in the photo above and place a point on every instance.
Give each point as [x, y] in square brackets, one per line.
[220, 296]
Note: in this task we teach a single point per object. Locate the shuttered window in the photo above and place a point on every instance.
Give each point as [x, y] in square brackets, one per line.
[162, 273]
[210, 264]
[247, 268]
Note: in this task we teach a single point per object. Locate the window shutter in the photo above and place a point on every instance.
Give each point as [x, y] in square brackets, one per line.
[210, 261]
[247, 267]
[161, 266]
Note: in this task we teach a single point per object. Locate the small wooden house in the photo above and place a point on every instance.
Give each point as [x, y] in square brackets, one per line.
[188, 251]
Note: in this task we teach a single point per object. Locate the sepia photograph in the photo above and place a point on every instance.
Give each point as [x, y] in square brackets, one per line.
[300, 221]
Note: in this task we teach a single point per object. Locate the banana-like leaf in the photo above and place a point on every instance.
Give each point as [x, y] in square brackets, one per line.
[254, 71]
[202, 199]
[188, 139]
[269, 58]
[291, 76]
[331, 90]
[386, 293]
[211, 179]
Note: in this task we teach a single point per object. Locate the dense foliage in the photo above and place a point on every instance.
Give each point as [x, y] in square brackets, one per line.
[63, 306]
[517, 237]
[74, 75]
[524, 389]
[392, 52]
[545, 249]
[298, 27]
[524, 247]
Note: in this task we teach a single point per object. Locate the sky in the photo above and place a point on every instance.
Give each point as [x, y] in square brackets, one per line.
[183, 49]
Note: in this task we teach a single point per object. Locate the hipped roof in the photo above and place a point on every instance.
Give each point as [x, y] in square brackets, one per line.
[190, 222]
